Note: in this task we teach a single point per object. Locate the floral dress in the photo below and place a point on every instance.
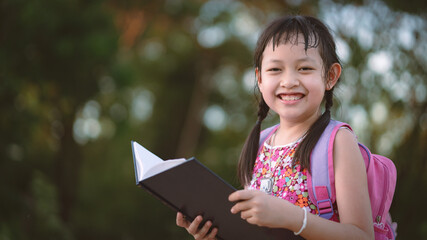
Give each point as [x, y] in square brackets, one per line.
[289, 182]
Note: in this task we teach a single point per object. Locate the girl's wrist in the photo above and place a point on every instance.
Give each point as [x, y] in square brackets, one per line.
[293, 217]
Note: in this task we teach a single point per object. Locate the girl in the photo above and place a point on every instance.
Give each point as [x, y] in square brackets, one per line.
[297, 68]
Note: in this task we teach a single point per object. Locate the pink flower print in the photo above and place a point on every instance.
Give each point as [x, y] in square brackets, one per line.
[281, 182]
[292, 197]
[273, 155]
[287, 161]
[302, 187]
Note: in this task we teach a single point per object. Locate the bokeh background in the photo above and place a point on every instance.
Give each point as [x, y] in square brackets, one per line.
[80, 79]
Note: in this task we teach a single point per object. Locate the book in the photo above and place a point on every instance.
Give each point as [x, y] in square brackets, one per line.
[188, 186]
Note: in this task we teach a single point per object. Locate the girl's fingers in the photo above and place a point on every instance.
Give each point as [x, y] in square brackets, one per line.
[240, 195]
[204, 230]
[213, 233]
[194, 226]
[245, 214]
[240, 206]
[181, 221]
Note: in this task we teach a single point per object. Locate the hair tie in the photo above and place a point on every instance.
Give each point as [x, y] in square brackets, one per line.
[258, 122]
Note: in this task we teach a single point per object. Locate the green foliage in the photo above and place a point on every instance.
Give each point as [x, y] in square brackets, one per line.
[52, 55]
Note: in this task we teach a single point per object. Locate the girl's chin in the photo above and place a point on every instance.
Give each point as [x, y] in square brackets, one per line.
[294, 115]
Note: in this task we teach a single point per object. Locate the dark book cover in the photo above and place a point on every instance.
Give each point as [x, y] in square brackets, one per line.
[193, 189]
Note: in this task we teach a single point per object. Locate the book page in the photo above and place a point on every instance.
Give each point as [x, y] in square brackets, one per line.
[145, 161]
[163, 166]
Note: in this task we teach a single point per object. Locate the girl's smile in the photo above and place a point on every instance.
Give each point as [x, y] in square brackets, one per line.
[290, 98]
[291, 81]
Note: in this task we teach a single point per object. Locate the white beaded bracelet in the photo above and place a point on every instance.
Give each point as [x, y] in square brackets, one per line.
[304, 222]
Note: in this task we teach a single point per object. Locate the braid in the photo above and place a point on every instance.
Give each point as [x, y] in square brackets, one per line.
[329, 99]
[250, 148]
[263, 110]
[304, 149]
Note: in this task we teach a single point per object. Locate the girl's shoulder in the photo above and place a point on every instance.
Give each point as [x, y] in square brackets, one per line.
[345, 138]
[345, 142]
[346, 152]
[344, 135]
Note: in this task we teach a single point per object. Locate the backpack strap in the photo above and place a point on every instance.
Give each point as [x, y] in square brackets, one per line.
[321, 181]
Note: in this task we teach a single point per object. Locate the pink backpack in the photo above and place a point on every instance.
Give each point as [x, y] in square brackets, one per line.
[380, 171]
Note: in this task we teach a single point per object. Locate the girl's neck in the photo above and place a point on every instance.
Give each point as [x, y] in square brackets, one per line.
[289, 132]
[284, 136]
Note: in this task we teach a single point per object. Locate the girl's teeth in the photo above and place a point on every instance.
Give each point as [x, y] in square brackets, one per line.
[290, 97]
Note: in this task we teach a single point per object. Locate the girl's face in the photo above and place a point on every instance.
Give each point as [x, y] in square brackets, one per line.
[291, 81]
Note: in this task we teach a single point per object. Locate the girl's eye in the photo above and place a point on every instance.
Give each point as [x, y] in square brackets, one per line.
[273, 70]
[305, 69]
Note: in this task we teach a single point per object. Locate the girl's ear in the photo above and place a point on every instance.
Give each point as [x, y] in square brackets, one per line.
[258, 75]
[333, 76]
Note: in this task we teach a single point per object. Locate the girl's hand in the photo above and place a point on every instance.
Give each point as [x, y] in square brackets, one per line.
[193, 227]
[256, 207]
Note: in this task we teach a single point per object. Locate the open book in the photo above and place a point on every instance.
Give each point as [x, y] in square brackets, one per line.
[190, 187]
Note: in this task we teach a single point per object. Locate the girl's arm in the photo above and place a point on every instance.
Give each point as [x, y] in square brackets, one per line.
[351, 194]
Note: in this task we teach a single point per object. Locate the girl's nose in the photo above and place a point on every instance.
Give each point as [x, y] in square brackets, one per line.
[289, 80]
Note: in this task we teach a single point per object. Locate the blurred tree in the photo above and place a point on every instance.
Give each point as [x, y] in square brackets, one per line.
[52, 55]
